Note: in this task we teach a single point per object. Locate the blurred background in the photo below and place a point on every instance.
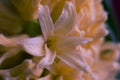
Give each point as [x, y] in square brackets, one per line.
[113, 23]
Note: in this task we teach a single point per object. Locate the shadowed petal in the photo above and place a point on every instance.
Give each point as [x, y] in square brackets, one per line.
[73, 59]
[48, 77]
[67, 19]
[25, 68]
[48, 59]
[45, 21]
[9, 54]
[10, 23]
[33, 46]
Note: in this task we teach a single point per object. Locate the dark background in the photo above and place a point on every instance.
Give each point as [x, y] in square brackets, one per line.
[113, 23]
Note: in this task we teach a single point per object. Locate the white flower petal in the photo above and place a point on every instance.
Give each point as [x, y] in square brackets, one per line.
[33, 46]
[45, 21]
[48, 59]
[74, 59]
[74, 41]
[67, 19]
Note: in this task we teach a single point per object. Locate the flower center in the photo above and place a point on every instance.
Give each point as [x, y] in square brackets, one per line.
[51, 43]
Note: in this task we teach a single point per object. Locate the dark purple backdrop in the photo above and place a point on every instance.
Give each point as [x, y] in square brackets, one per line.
[116, 9]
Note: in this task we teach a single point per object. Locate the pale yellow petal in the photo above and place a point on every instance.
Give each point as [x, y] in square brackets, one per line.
[66, 21]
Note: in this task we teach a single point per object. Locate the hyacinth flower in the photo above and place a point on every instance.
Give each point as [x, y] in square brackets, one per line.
[56, 41]
[63, 49]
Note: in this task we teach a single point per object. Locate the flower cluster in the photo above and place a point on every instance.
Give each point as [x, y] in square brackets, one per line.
[70, 44]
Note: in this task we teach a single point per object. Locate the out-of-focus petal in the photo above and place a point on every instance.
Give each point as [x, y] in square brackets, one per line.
[67, 19]
[48, 59]
[109, 52]
[11, 42]
[45, 21]
[10, 23]
[73, 59]
[27, 9]
[24, 70]
[78, 3]
[33, 46]
[5, 41]
[9, 54]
